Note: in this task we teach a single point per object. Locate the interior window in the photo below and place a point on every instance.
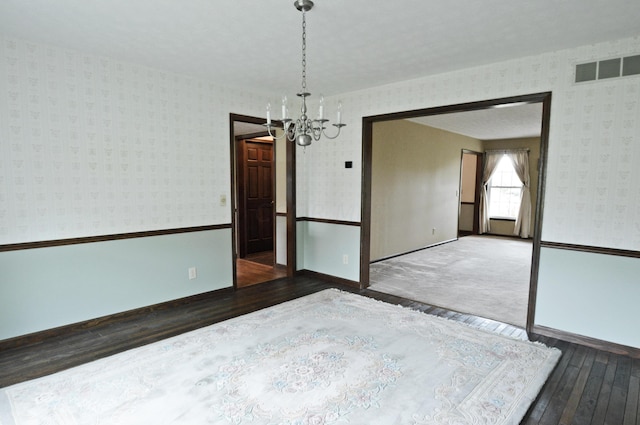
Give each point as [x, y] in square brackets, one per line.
[505, 189]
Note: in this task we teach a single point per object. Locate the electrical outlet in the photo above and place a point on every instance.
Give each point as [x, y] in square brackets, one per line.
[193, 273]
[345, 259]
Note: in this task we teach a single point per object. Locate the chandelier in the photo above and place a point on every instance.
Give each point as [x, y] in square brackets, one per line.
[304, 129]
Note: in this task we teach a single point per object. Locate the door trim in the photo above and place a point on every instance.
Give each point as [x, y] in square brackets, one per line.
[367, 144]
[478, 184]
[290, 195]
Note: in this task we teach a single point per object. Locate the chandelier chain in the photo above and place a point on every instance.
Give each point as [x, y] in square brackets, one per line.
[304, 53]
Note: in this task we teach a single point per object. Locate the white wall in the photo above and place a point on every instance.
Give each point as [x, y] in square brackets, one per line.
[590, 294]
[91, 145]
[332, 249]
[94, 146]
[592, 195]
[594, 141]
[281, 200]
[45, 288]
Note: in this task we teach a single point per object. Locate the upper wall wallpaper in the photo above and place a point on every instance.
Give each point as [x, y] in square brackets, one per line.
[593, 177]
[93, 146]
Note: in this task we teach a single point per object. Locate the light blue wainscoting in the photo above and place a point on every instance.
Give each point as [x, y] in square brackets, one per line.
[589, 294]
[281, 240]
[325, 247]
[44, 288]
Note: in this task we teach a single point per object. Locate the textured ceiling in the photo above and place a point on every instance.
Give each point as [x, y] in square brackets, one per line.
[512, 122]
[241, 128]
[351, 44]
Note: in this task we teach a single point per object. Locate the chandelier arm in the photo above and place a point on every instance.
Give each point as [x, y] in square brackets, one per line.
[290, 130]
[269, 127]
[339, 126]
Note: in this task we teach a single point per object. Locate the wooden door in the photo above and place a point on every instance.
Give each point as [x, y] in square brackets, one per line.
[256, 197]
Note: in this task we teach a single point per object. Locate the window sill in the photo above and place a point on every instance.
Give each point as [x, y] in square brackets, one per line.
[502, 219]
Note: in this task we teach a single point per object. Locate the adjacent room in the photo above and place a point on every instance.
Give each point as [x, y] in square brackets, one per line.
[427, 242]
[341, 231]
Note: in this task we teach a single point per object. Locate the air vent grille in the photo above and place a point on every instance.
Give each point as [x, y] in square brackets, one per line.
[631, 65]
[609, 68]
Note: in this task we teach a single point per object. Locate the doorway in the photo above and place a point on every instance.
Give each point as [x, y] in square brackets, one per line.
[470, 182]
[255, 164]
[368, 124]
[260, 202]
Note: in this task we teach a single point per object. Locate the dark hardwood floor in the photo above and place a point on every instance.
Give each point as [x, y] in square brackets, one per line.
[264, 257]
[588, 386]
[257, 268]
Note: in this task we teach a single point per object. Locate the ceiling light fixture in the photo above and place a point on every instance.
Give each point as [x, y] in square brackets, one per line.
[304, 130]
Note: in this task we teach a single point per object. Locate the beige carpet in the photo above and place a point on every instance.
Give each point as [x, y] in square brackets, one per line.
[327, 358]
[480, 275]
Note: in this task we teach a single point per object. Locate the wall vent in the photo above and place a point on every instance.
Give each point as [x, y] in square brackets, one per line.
[631, 65]
[608, 68]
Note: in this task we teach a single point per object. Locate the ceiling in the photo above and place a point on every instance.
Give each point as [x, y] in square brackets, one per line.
[508, 122]
[241, 128]
[351, 45]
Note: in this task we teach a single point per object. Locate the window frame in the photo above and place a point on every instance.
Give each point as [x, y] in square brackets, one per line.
[491, 186]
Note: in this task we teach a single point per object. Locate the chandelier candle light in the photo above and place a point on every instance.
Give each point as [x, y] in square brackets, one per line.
[304, 130]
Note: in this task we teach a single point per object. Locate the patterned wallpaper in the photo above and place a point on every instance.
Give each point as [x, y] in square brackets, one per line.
[93, 146]
[593, 178]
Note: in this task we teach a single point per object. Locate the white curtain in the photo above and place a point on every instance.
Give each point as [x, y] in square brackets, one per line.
[520, 161]
[491, 160]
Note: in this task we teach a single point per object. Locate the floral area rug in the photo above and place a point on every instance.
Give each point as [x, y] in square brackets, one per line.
[327, 358]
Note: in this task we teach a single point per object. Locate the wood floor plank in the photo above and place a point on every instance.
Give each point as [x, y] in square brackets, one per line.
[252, 273]
[546, 396]
[578, 388]
[602, 404]
[619, 391]
[631, 410]
[633, 399]
[565, 388]
[635, 368]
[587, 405]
